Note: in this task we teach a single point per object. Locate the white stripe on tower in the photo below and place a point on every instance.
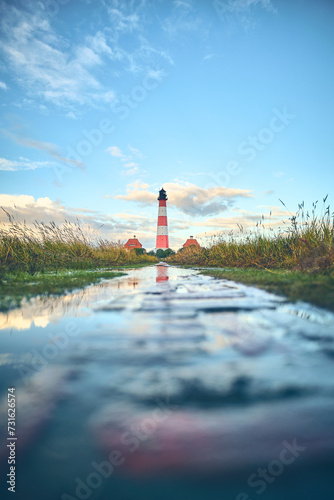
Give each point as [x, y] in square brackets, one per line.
[162, 230]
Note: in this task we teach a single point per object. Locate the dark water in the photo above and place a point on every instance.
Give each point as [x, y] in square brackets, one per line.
[165, 384]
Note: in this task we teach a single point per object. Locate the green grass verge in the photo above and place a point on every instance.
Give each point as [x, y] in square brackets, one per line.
[14, 287]
[316, 288]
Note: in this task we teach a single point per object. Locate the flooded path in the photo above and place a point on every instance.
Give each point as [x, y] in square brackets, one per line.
[166, 384]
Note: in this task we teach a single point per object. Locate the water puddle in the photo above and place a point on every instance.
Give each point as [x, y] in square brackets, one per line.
[181, 385]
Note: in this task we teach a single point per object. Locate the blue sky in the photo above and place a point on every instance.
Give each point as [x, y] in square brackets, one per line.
[227, 104]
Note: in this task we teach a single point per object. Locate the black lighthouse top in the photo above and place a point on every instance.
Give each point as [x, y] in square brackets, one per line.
[162, 194]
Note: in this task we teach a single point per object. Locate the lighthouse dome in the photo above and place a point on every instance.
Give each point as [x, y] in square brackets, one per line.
[162, 194]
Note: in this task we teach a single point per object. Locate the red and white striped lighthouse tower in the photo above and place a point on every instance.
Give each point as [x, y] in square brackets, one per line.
[162, 232]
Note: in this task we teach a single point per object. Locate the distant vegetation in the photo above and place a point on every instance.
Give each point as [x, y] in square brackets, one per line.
[306, 245]
[297, 262]
[48, 247]
[162, 254]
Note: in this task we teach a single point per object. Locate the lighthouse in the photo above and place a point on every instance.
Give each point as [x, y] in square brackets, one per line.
[162, 231]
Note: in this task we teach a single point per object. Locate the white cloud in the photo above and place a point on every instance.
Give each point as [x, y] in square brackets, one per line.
[122, 22]
[138, 185]
[43, 146]
[3, 86]
[131, 171]
[242, 12]
[138, 194]
[29, 49]
[183, 4]
[24, 201]
[23, 164]
[68, 74]
[241, 6]
[251, 222]
[135, 152]
[189, 198]
[129, 167]
[108, 97]
[28, 209]
[182, 20]
[130, 217]
[115, 151]
[46, 64]
[71, 115]
[85, 56]
[99, 44]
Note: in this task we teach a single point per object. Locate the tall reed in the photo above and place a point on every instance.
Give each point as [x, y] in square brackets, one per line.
[307, 243]
[52, 247]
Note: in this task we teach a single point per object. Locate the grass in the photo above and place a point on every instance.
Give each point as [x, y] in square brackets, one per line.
[48, 247]
[306, 245]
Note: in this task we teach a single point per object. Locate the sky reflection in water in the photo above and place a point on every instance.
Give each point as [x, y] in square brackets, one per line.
[195, 382]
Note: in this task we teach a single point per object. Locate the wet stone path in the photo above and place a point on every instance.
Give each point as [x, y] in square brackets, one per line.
[167, 384]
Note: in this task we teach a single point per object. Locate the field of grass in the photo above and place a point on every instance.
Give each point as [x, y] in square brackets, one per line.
[48, 247]
[306, 245]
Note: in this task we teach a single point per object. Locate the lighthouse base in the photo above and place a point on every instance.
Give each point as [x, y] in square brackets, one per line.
[162, 242]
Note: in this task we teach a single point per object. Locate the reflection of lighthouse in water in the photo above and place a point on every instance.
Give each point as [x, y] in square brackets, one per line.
[162, 231]
[162, 274]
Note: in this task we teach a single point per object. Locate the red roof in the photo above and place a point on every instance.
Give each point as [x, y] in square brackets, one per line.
[191, 241]
[133, 243]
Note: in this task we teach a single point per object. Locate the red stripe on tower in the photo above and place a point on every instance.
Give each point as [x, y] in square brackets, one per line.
[162, 220]
[162, 231]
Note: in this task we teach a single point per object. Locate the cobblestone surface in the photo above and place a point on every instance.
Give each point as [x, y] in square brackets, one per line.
[196, 382]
